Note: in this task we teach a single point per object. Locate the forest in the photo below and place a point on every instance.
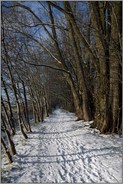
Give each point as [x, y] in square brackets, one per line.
[60, 55]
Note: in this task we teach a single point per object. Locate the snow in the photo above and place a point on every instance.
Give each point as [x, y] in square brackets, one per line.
[63, 150]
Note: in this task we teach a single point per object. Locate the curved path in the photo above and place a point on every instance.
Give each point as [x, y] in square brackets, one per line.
[64, 150]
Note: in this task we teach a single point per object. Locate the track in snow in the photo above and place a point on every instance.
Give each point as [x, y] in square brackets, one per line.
[64, 150]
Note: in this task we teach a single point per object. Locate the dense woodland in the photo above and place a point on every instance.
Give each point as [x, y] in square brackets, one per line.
[65, 54]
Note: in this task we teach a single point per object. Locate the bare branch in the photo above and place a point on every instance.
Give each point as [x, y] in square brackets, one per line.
[47, 66]
[58, 7]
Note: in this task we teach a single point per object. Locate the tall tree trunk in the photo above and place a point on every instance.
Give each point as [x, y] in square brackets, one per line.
[7, 118]
[81, 76]
[115, 66]
[10, 141]
[80, 36]
[76, 99]
[9, 157]
[102, 34]
[26, 107]
[46, 102]
[33, 104]
[9, 104]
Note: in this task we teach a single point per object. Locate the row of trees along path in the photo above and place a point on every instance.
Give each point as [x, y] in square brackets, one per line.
[60, 52]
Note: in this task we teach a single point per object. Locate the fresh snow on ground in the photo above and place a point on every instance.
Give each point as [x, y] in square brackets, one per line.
[64, 150]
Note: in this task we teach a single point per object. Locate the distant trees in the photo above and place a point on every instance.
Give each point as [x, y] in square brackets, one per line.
[69, 52]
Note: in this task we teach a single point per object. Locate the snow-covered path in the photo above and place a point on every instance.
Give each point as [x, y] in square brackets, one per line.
[64, 150]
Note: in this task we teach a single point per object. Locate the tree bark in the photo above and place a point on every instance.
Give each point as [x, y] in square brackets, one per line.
[7, 118]
[26, 107]
[9, 157]
[10, 141]
[81, 76]
[9, 104]
[115, 67]
[102, 35]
